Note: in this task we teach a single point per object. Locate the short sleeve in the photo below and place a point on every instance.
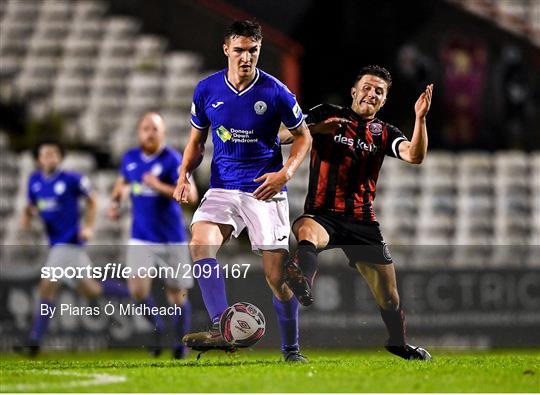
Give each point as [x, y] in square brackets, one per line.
[123, 167]
[288, 108]
[32, 199]
[199, 120]
[82, 184]
[321, 112]
[395, 138]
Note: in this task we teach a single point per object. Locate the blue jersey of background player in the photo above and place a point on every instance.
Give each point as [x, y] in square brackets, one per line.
[156, 217]
[56, 197]
[243, 108]
[151, 171]
[244, 126]
[54, 194]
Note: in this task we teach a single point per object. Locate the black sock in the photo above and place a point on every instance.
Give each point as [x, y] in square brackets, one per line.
[307, 259]
[395, 325]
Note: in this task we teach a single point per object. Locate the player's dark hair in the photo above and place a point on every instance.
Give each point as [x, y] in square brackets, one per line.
[248, 28]
[377, 71]
[56, 143]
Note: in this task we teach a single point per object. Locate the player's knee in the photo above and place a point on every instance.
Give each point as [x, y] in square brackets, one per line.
[306, 232]
[199, 248]
[139, 294]
[176, 297]
[47, 290]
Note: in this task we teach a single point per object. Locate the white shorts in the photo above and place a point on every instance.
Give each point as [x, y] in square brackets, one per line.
[267, 222]
[175, 256]
[68, 255]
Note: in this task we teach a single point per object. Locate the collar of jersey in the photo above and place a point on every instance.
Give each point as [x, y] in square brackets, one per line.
[148, 158]
[52, 177]
[240, 93]
[360, 119]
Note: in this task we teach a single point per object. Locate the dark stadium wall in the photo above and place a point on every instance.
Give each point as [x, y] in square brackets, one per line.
[191, 26]
[341, 36]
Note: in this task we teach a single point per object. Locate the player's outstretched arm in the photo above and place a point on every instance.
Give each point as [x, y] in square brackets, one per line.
[117, 195]
[415, 150]
[87, 230]
[273, 183]
[192, 158]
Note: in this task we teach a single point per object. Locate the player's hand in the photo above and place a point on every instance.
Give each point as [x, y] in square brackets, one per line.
[272, 183]
[25, 223]
[113, 212]
[26, 220]
[423, 103]
[330, 125]
[181, 192]
[86, 233]
[151, 180]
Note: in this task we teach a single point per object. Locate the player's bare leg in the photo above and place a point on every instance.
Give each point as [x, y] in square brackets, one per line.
[381, 280]
[285, 303]
[181, 322]
[90, 288]
[93, 289]
[207, 238]
[301, 268]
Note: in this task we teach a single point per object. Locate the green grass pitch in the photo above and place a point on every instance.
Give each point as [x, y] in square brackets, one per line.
[263, 371]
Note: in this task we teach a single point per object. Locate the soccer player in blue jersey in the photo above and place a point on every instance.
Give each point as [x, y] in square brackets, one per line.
[158, 231]
[54, 194]
[243, 107]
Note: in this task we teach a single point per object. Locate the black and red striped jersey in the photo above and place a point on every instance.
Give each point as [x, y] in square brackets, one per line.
[345, 165]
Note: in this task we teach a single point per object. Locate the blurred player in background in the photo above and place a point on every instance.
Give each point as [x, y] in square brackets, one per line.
[349, 146]
[54, 194]
[158, 235]
[243, 107]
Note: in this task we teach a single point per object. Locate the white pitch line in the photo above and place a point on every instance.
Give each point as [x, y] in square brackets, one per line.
[94, 379]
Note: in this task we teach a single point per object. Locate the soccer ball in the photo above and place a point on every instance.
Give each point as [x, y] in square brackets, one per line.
[242, 324]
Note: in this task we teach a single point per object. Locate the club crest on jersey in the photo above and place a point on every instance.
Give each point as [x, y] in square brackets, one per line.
[260, 107]
[60, 187]
[375, 128]
[157, 169]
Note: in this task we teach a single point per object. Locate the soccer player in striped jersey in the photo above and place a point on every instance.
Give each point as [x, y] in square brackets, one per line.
[158, 234]
[349, 146]
[242, 108]
[54, 194]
